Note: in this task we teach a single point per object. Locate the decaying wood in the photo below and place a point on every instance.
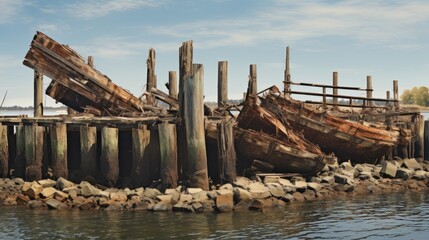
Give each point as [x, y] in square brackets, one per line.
[151, 77]
[65, 66]
[4, 152]
[88, 151]
[222, 83]
[140, 170]
[38, 94]
[226, 153]
[59, 150]
[348, 140]
[19, 161]
[109, 159]
[34, 146]
[173, 102]
[168, 150]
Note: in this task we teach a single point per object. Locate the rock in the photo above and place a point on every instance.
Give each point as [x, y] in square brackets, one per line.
[193, 190]
[256, 204]
[200, 196]
[72, 194]
[287, 185]
[115, 206]
[242, 195]
[365, 175]
[198, 207]
[258, 190]
[63, 183]
[224, 192]
[287, 197]
[271, 179]
[373, 189]
[10, 201]
[74, 188]
[227, 186]
[151, 192]
[389, 169]
[412, 164]
[328, 179]
[349, 188]
[404, 173]
[33, 191]
[48, 192]
[333, 166]
[45, 183]
[297, 196]
[309, 195]
[225, 203]
[19, 181]
[162, 206]
[183, 207]
[87, 205]
[87, 190]
[175, 195]
[363, 168]
[35, 204]
[276, 190]
[242, 182]
[22, 199]
[60, 196]
[55, 204]
[118, 197]
[341, 179]
[316, 179]
[212, 195]
[185, 197]
[164, 198]
[314, 186]
[347, 166]
[420, 175]
[300, 185]
[140, 206]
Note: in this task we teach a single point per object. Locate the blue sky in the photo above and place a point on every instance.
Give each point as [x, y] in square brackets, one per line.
[386, 39]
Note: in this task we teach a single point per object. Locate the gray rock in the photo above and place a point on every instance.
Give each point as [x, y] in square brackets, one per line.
[200, 196]
[328, 179]
[55, 204]
[19, 181]
[365, 175]
[47, 183]
[389, 169]
[297, 196]
[162, 206]
[300, 185]
[271, 179]
[212, 195]
[341, 179]
[363, 168]
[33, 190]
[242, 182]
[256, 204]
[198, 207]
[227, 186]
[183, 207]
[314, 186]
[346, 166]
[404, 173]
[258, 190]
[10, 201]
[309, 195]
[140, 206]
[420, 175]
[48, 192]
[185, 197]
[225, 203]
[87, 190]
[175, 195]
[115, 206]
[151, 192]
[118, 196]
[164, 198]
[242, 195]
[276, 190]
[35, 204]
[63, 183]
[287, 197]
[412, 164]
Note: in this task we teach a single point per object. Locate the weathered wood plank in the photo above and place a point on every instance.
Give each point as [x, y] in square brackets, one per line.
[151, 77]
[226, 153]
[140, 171]
[38, 94]
[4, 152]
[287, 78]
[252, 89]
[34, 146]
[58, 135]
[168, 150]
[19, 161]
[109, 159]
[194, 124]
[88, 151]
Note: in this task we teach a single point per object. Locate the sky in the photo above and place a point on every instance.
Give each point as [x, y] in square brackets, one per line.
[386, 39]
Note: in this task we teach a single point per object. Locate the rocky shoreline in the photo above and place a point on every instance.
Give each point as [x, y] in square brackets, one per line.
[398, 175]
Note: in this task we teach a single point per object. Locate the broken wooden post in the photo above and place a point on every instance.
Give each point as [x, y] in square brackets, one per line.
[419, 129]
[4, 152]
[151, 78]
[58, 134]
[38, 94]
[335, 90]
[172, 86]
[287, 80]
[185, 70]
[324, 97]
[140, 165]
[226, 153]
[168, 150]
[19, 162]
[222, 83]
[34, 146]
[109, 159]
[252, 79]
[88, 151]
[194, 125]
[395, 94]
[369, 90]
[426, 140]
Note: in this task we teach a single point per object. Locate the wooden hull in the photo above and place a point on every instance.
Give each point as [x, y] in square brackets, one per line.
[347, 140]
[251, 145]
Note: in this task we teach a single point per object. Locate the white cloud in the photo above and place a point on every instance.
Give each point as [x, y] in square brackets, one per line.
[48, 28]
[98, 8]
[9, 10]
[8, 62]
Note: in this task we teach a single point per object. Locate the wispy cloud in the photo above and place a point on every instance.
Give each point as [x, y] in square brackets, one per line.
[9, 10]
[8, 62]
[98, 8]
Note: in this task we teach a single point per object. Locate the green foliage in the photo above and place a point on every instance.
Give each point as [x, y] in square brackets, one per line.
[417, 95]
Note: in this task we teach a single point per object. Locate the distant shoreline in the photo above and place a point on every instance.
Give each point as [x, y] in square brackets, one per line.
[15, 108]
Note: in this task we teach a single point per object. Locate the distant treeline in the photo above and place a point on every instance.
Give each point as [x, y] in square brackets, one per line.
[417, 95]
[30, 108]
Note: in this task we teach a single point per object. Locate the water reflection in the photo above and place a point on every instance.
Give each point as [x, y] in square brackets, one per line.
[393, 216]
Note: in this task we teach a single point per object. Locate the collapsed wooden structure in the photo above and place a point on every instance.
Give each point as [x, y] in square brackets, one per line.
[114, 138]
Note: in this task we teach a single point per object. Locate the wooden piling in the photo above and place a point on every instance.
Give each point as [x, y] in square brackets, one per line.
[34, 146]
[194, 125]
[252, 79]
[222, 83]
[426, 140]
[287, 79]
[335, 89]
[151, 78]
[369, 90]
[419, 129]
[395, 94]
[226, 153]
[19, 161]
[172, 84]
[140, 170]
[168, 150]
[4, 152]
[109, 159]
[88, 151]
[58, 134]
[38, 94]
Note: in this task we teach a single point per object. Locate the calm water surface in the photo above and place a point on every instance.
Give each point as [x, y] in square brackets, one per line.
[390, 216]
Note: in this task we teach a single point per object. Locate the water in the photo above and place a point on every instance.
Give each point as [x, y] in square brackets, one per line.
[390, 216]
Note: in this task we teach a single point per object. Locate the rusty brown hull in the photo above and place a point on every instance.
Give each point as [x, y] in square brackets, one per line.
[346, 139]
